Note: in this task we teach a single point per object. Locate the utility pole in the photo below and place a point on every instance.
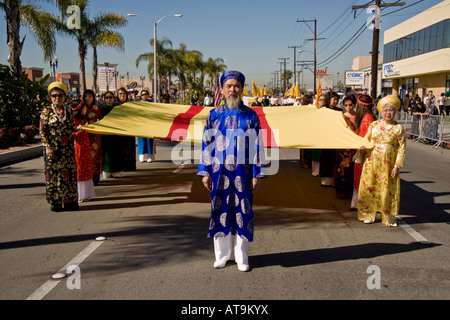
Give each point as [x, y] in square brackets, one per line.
[279, 77]
[285, 79]
[375, 23]
[315, 48]
[295, 61]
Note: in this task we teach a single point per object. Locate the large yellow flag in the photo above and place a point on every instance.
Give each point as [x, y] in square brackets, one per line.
[284, 127]
[296, 90]
[255, 91]
[319, 92]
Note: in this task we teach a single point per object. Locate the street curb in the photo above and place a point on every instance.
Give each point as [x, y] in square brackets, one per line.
[11, 157]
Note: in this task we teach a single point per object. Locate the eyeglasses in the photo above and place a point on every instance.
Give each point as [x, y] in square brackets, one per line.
[59, 95]
[144, 94]
[109, 97]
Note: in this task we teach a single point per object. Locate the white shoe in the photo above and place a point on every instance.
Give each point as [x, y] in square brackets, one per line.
[367, 221]
[243, 267]
[219, 264]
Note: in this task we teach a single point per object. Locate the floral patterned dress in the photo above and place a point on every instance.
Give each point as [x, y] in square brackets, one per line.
[94, 114]
[378, 190]
[56, 128]
[367, 120]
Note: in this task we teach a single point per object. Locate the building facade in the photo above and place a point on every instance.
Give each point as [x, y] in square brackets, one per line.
[417, 54]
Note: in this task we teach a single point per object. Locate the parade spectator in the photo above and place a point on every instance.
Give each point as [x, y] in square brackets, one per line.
[208, 101]
[431, 97]
[91, 113]
[231, 180]
[417, 110]
[380, 181]
[256, 103]
[146, 146]
[112, 145]
[165, 97]
[406, 103]
[441, 103]
[447, 107]
[60, 168]
[83, 156]
[305, 155]
[324, 101]
[328, 156]
[265, 101]
[307, 99]
[129, 146]
[194, 100]
[431, 121]
[363, 118]
[297, 101]
[275, 102]
[344, 167]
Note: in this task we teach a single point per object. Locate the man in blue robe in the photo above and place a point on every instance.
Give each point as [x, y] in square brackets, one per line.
[230, 164]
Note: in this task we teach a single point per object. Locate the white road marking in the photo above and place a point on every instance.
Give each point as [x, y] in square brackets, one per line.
[413, 233]
[43, 290]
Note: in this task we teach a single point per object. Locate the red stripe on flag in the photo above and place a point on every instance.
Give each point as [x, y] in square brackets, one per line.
[269, 143]
[182, 121]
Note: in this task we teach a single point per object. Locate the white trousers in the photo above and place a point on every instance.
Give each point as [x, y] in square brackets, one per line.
[223, 247]
[315, 168]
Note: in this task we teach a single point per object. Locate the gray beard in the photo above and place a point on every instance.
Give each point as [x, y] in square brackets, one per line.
[233, 103]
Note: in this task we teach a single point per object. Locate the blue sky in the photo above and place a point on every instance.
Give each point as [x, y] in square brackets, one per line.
[251, 35]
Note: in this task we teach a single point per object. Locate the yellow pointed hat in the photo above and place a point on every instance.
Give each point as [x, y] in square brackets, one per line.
[388, 100]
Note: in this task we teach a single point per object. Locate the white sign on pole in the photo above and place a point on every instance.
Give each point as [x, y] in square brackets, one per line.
[354, 78]
[107, 78]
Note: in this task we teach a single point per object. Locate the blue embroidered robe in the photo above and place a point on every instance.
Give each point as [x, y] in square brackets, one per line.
[230, 156]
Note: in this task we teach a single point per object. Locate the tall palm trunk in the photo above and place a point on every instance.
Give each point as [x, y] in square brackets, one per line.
[11, 8]
[94, 69]
[82, 48]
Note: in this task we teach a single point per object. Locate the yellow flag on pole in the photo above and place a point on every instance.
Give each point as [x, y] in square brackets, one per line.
[319, 92]
[296, 90]
[255, 91]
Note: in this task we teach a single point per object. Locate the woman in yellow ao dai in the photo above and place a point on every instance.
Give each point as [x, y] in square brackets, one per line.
[380, 182]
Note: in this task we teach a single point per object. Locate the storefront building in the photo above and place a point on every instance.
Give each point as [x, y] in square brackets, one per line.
[416, 56]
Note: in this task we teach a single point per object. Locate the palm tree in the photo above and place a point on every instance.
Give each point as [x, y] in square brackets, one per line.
[213, 67]
[101, 35]
[90, 31]
[37, 22]
[164, 54]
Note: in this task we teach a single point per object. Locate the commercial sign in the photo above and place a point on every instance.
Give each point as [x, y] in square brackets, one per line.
[354, 78]
[326, 82]
[107, 76]
[389, 71]
[321, 72]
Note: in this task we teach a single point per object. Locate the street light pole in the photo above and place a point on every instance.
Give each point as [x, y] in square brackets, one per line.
[155, 68]
[54, 65]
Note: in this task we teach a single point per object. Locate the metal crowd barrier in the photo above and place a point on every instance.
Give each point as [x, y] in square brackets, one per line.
[428, 129]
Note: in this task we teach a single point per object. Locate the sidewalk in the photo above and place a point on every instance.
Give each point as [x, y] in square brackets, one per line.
[20, 153]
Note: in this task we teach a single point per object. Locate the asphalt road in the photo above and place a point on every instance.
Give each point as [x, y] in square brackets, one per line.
[308, 244]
